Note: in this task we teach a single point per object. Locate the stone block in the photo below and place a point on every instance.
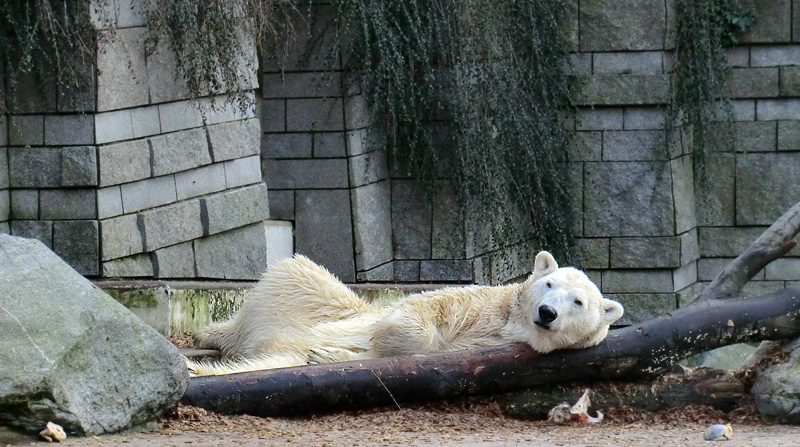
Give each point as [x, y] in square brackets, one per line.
[790, 81]
[26, 130]
[738, 56]
[755, 136]
[235, 140]
[176, 261]
[784, 269]
[611, 90]
[773, 21]
[645, 252]
[599, 119]
[34, 167]
[684, 276]
[788, 136]
[774, 55]
[720, 242]
[411, 221]
[640, 307]
[179, 115]
[643, 189]
[120, 237]
[640, 62]
[5, 207]
[716, 193]
[24, 204]
[234, 208]
[457, 270]
[406, 271]
[311, 46]
[79, 166]
[318, 114]
[77, 242]
[594, 252]
[170, 225]
[113, 126]
[281, 204]
[273, 115]
[329, 145]
[382, 273]
[323, 84]
[753, 82]
[683, 193]
[124, 162]
[607, 25]
[778, 109]
[447, 223]
[163, 79]
[578, 64]
[356, 112]
[368, 168]
[145, 121]
[68, 204]
[129, 267]
[29, 93]
[235, 254]
[148, 193]
[5, 228]
[585, 146]
[758, 173]
[109, 202]
[643, 118]
[740, 110]
[122, 72]
[307, 174]
[79, 96]
[179, 151]
[200, 181]
[3, 127]
[41, 230]
[129, 13]
[634, 145]
[637, 281]
[372, 223]
[242, 171]
[69, 129]
[513, 264]
[709, 268]
[759, 288]
[288, 145]
[280, 240]
[690, 247]
[323, 230]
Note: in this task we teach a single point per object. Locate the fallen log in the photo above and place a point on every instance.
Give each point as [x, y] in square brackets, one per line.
[649, 349]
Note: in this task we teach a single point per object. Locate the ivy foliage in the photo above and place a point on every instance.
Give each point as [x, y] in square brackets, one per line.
[473, 91]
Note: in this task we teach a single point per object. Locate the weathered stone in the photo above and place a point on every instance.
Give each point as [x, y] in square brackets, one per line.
[77, 242]
[640, 62]
[148, 193]
[179, 115]
[776, 391]
[162, 74]
[773, 21]
[715, 194]
[784, 269]
[235, 140]
[684, 276]
[690, 248]
[329, 145]
[34, 167]
[788, 135]
[26, 130]
[5, 207]
[176, 261]
[445, 271]
[235, 254]
[123, 162]
[235, 208]
[303, 115]
[79, 166]
[356, 112]
[757, 173]
[288, 145]
[634, 145]
[637, 281]
[755, 136]
[41, 230]
[643, 118]
[753, 82]
[273, 115]
[105, 371]
[709, 268]
[594, 252]
[513, 263]
[179, 151]
[3, 129]
[406, 271]
[79, 96]
[411, 221]
[645, 252]
[372, 223]
[324, 84]
[368, 168]
[610, 90]
[242, 171]
[170, 225]
[643, 189]
[120, 237]
[778, 109]
[586, 146]
[382, 273]
[68, 129]
[729, 357]
[307, 174]
[790, 81]
[740, 110]
[683, 193]
[32, 93]
[607, 25]
[311, 43]
[113, 126]
[200, 181]
[25, 204]
[280, 240]
[447, 224]
[68, 204]
[599, 119]
[136, 266]
[281, 204]
[738, 56]
[109, 202]
[719, 242]
[323, 230]
[145, 121]
[122, 73]
[643, 306]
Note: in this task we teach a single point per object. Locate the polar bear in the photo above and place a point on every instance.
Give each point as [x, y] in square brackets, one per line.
[299, 314]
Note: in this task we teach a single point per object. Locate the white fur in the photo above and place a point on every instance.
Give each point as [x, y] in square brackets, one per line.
[299, 313]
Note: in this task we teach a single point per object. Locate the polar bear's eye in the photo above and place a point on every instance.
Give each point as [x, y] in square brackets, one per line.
[549, 285]
[579, 302]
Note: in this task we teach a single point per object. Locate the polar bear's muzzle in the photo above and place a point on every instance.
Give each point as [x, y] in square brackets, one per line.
[547, 314]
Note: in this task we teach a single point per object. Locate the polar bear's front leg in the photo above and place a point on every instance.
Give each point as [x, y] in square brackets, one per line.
[334, 355]
[404, 332]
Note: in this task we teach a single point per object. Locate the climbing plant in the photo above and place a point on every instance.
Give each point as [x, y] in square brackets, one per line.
[473, 91]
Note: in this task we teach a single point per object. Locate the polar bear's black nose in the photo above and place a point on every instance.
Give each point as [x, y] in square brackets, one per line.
[547, 314]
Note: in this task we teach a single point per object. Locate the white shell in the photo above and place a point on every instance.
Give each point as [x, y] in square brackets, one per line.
[53, 432]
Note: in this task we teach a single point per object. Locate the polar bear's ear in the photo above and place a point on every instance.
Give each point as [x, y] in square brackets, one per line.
[612, 311]
[544, 264]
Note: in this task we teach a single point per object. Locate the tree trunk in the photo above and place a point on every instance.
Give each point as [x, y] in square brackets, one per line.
[647, 349]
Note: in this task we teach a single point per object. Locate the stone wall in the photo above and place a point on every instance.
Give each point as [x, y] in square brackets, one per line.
[125, 177]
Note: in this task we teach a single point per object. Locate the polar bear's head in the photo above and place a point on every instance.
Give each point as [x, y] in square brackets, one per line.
[561, 308]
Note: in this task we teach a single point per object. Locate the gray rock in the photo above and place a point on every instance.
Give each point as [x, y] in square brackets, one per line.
[235, 254]
[323, 230]
[727, 357]
[71, 354]
[776, 391]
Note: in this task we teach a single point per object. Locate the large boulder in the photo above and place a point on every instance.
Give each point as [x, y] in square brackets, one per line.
[776, 390]
[71, 354]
